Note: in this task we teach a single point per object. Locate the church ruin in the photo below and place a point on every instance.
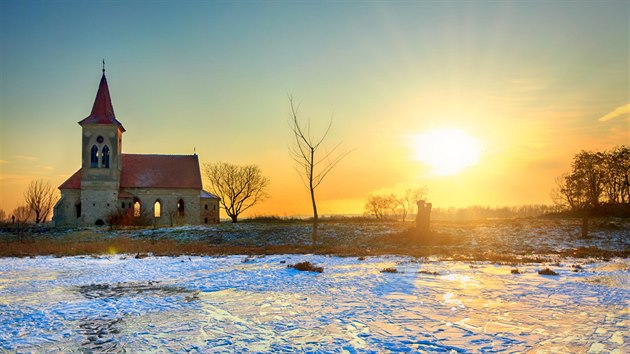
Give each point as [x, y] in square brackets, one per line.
[161, 189]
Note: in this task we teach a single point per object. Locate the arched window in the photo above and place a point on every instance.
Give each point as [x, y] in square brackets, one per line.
[94, 157]
[180, 207]
[77, 207]
[205, 220]
[136, 208]
[157, 209]
[105, 158]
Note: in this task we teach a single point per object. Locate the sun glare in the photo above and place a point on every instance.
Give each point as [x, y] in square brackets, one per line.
[447, 151]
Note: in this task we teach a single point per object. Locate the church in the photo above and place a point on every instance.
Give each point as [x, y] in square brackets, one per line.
[110, 187]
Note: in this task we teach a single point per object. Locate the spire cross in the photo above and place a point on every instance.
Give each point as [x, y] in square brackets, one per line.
[103, 66]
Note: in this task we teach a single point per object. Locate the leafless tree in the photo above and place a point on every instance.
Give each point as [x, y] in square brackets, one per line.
[312, 166]
[40, 197]
[22, 216]
[407, 202]
[239, 187]
[380, 205]
[3, 216]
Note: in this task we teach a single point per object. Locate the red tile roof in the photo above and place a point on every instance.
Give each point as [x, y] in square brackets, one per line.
[152, 171]
[102, 110]
[160, 171]
[74, 182]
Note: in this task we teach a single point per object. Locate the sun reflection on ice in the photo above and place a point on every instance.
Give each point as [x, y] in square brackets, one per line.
[464, 280]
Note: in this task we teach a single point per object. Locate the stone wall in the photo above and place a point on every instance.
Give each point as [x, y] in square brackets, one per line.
[97, 202]
[168, 199]
[209, 211]
[65, 211]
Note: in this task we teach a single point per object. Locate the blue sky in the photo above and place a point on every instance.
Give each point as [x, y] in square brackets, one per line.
[528, 79]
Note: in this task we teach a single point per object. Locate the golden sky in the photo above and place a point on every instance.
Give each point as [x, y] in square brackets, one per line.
[530, 84]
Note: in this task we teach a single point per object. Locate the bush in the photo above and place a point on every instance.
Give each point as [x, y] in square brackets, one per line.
[515, 271]
[306, 267]
[125, 218]
[547, 271]
[389, 270]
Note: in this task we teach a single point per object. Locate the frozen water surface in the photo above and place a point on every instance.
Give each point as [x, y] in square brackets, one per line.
[240, 304]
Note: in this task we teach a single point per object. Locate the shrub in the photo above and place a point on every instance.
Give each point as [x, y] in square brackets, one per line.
[547, 271]
[428, 272]
[126, 218]
[306, 267]
[515, 271]
[389, 270]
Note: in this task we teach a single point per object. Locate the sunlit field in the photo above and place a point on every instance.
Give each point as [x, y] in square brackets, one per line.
[485, 286]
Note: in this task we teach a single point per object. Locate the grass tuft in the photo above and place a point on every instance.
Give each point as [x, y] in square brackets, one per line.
[547, 271]
[306, 267]
[389, 270]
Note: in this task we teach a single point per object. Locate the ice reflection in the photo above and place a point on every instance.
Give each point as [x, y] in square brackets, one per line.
[204, 304]
[464, 280]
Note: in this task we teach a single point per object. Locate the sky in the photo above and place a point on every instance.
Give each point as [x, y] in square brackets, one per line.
[523, 85]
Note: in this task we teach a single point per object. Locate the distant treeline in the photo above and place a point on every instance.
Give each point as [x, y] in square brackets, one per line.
[478, 212]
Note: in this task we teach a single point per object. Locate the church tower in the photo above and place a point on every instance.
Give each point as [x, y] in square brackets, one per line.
[101, 156]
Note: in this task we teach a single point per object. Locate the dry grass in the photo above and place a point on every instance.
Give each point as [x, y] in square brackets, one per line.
[547, 271]
[75, 246]
[306, 267]
[481, 241]
[389, 270]
[124, 245]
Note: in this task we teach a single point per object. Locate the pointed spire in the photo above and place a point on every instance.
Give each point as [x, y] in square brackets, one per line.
[102, 110]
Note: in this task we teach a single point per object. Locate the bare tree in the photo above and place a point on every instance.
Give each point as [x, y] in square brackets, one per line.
[22, 215]
[40, 197]
[407, 203]
[379, 205]
[3, 216]
[239, 187]
[311, 166]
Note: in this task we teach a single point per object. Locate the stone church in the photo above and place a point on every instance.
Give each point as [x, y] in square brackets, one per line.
[157, 189]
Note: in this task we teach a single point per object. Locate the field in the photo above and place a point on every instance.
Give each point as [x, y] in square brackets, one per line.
[480, 291]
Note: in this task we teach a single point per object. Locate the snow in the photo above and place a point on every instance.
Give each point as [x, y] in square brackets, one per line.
[258, 304]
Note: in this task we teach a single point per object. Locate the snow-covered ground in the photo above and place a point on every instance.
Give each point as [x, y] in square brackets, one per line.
[240, 304]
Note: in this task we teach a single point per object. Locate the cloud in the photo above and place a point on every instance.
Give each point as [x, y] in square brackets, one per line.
[625, 109]
[23, 157]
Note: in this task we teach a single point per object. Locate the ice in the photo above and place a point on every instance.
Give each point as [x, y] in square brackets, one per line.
[118, 303]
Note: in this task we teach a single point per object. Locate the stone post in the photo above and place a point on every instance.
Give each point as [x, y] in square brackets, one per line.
[423, 218]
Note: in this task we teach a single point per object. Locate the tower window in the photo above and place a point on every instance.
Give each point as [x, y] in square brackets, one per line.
[157, 209]
[180, 207]
[105, 158]
[206, 206]
[94, 157]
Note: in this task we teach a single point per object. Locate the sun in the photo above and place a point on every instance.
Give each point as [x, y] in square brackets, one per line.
[447, 150]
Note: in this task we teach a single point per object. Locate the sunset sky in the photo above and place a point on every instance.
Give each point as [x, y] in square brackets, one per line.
[516, 87]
